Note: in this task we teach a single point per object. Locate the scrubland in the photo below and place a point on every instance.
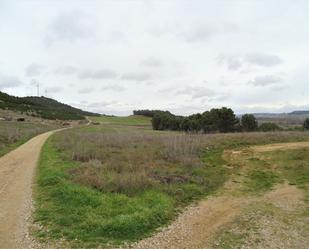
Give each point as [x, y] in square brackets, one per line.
[118, 181]
[14, 133]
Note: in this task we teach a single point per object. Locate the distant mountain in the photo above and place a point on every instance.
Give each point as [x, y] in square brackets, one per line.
[42, 107]
[299, 113]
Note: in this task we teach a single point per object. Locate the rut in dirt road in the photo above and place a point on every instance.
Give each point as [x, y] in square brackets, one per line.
[17, 170]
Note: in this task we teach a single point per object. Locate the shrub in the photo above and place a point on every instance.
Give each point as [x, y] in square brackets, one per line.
[306, 124]
[269, 127]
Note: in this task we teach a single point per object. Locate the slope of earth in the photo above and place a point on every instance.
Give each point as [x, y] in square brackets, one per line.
[42, 107]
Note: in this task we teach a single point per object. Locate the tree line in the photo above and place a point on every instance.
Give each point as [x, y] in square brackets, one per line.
[216, 120]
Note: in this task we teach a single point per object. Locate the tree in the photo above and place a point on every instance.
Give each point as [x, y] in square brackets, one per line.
[185, 124]
[224, 119]
[249, 122]
[306, 124]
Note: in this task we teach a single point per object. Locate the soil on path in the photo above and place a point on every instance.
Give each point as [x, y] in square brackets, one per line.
[17, 170]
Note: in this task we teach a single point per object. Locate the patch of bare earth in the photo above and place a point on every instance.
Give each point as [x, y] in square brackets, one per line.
[280, 146]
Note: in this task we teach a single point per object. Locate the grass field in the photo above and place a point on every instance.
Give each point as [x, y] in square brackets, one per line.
[12, 133]
[131, 120]
[118, 181]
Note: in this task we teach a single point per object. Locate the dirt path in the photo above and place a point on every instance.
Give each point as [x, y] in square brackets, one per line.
[16, 177]
[193, 228]
[280, 146]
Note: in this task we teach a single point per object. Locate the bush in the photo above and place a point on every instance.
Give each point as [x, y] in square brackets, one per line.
[269, 127]
[306, 124]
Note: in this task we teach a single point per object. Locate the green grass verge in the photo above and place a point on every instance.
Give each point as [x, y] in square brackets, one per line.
[293, 165]
[87, 216]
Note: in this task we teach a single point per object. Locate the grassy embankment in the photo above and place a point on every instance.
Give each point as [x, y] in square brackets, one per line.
[13, 134]
[119, 181]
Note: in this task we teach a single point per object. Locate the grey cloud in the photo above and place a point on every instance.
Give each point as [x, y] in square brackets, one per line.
[115, 88]
[66, 70]
[152, 62]
[236, 62]
[136, 77]
[9, 81]
[277, 88]
[102, 104]
[97, 74]
[232, 62]
[34, 69]
[54, 89]
[70, 26]
[86, 90]
[118, 36]
[203, 32]
[197, 92]
[263, 60]
[265, 80]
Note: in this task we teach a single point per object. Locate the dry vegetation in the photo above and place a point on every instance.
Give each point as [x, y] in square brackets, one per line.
[129, 162]
[114, 182]
[14, 133]
[132, 162]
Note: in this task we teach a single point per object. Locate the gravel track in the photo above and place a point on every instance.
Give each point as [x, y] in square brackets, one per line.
[17, 170]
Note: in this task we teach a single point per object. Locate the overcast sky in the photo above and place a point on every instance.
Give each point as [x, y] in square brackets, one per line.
[186, 56]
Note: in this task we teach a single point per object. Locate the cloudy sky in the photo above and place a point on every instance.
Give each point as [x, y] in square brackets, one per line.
[186, 56]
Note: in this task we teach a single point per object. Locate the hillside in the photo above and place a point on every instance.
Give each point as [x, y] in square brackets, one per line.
[299, 113]
[42, 107]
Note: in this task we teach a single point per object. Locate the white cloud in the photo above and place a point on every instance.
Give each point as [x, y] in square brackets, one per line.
[197, 92]
[97, 74]
[86, 90]
[265, 80]
[101, 50]
[114, 87]
[139, 77]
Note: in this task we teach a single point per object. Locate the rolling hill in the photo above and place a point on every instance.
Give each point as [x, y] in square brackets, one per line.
[42, 107]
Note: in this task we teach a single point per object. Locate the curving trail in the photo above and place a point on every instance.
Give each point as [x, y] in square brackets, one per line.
[17, 170]
[190, 230]
[198, 223]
